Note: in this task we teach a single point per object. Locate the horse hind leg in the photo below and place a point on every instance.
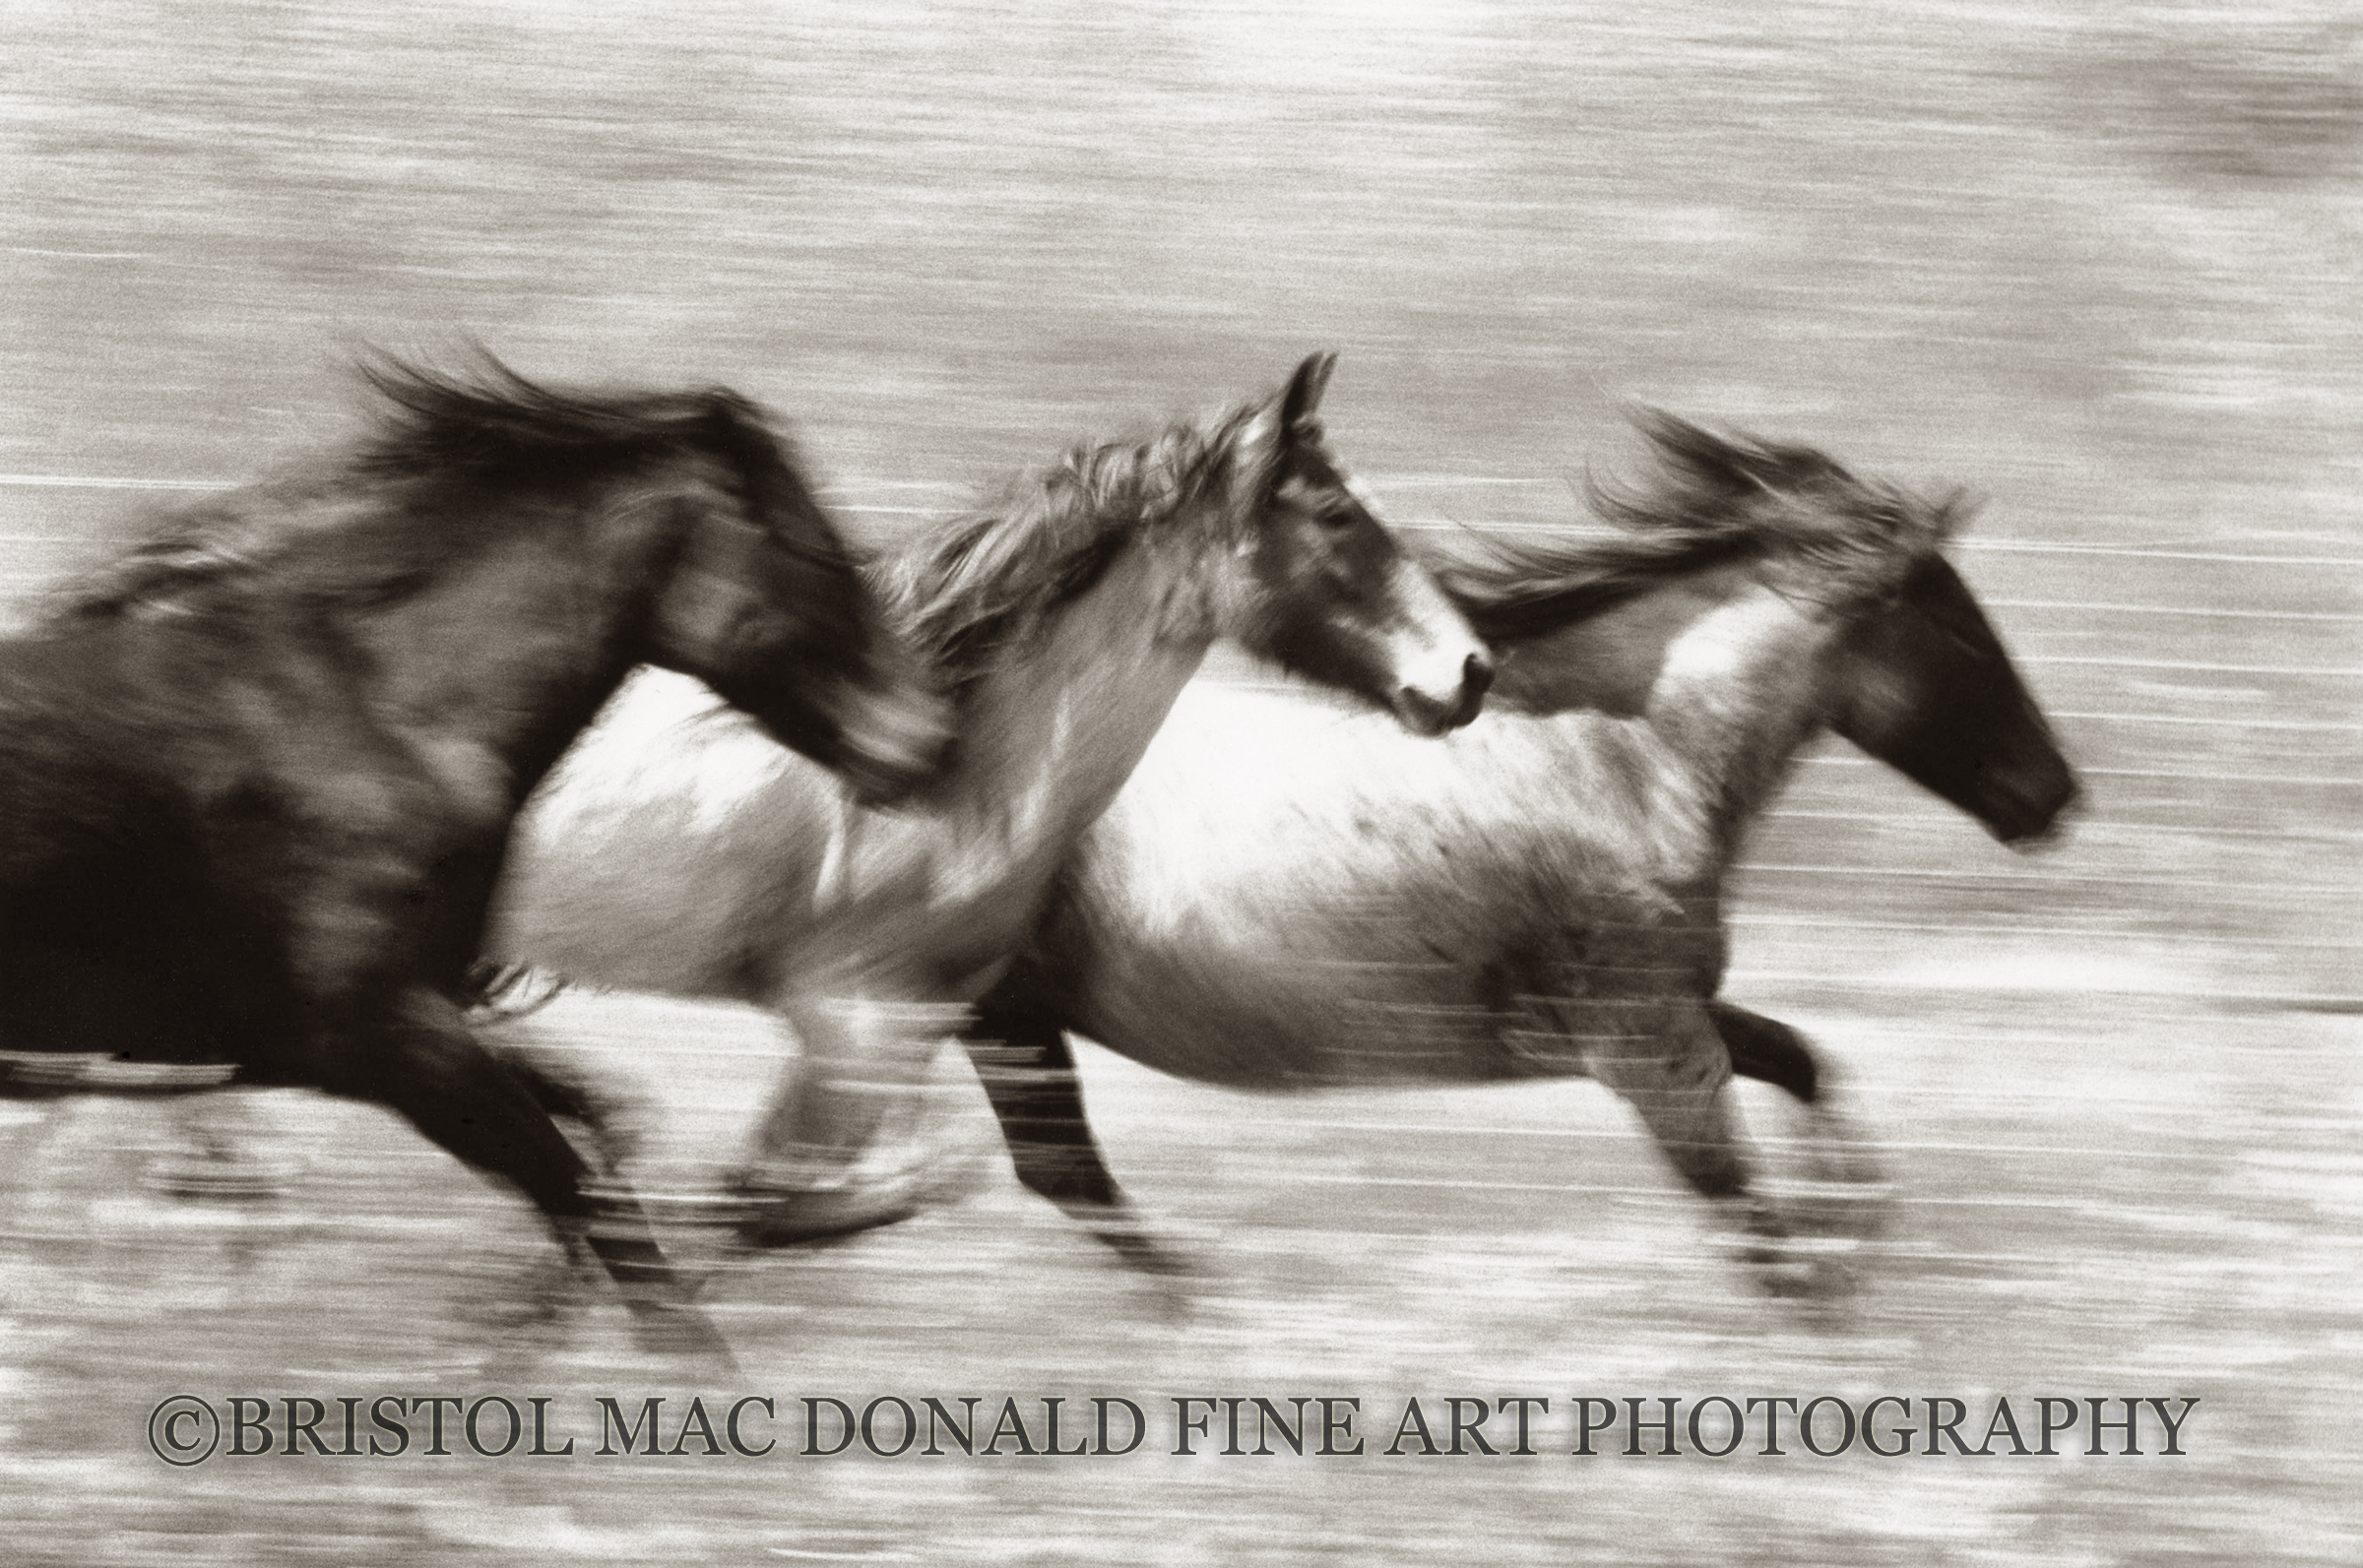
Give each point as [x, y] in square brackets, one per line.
[421, 1062]
[1849, 1187]
[608, 1119]
[1028, 1070]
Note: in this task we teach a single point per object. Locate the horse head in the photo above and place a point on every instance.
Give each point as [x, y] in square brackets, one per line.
[1885, 642]
[1924, 684]
[1918, 678]
[1327, 590]
[765, 603]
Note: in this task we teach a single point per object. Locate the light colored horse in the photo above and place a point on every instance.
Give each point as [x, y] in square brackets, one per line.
[679, 851]
[1288, 895]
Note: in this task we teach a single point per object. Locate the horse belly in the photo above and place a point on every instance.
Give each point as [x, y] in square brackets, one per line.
[1277, 901]
[143, 963]
[1290, 1019]
[1263, 982]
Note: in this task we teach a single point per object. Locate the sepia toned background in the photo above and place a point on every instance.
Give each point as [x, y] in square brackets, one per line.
[2098, 262]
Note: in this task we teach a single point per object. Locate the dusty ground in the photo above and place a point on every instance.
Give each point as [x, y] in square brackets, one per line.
[2105, 1197]
[2099, 264]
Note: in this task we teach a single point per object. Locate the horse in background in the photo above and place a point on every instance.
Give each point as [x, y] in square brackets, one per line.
[257, 775]
[1286, 897]
[679, 850]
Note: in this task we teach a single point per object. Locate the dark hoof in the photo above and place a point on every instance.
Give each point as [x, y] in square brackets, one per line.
[1145, 1254]
[1175, 1273]
[1179, 1298]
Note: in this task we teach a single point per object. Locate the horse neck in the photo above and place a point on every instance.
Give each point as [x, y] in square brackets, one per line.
[1051, 733]
[1742, 692]
[936, 892]
[491, 671]
[1719, 680]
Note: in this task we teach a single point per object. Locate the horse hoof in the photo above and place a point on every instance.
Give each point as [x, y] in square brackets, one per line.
[786, 1216]
[1172, 1304]
[1844, 1210]
[1175, 1274]
[814, 1219]
[1809, 1270]
[1145, 1254]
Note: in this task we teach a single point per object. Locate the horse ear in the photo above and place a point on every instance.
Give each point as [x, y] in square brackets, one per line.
[1955, 509]
[1303, 399]
[1271, 435]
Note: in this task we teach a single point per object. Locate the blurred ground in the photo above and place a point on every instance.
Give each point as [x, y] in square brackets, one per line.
[2098, 262]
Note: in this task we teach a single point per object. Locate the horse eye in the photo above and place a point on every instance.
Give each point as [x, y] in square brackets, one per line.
[1338, 519]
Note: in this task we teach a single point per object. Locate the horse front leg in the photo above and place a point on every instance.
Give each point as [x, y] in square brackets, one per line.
[823, 1165]
[1677, 1076]
[1019, 1048]
[610, 1120]
[416, 1057]
[1850, 1192]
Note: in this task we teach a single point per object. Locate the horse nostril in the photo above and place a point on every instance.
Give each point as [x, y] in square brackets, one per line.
[1477, 673]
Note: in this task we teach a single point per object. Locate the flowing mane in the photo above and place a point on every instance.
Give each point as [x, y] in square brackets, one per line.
[976, 587]
[1831, 538]
[487, 430]
[498, 425]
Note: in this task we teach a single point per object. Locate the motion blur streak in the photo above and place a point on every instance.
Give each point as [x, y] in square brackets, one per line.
[2097, 262]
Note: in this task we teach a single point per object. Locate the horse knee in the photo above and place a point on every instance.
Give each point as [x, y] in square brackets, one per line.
[1689, 1117]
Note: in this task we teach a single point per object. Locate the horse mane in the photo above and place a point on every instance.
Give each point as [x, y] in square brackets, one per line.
[496, 423]
[1829, 537]
[488, 429]
[976, 586]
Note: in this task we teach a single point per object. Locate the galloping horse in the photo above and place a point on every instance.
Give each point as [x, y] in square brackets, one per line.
[682, 853]
[257, 777]
[1542, 896]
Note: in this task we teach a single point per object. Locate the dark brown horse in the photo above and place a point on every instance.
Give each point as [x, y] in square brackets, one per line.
[1286, 897]
[257, 777]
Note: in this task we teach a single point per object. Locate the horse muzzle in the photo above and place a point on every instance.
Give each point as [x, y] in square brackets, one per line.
[2037, 819]
[1437, 706]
